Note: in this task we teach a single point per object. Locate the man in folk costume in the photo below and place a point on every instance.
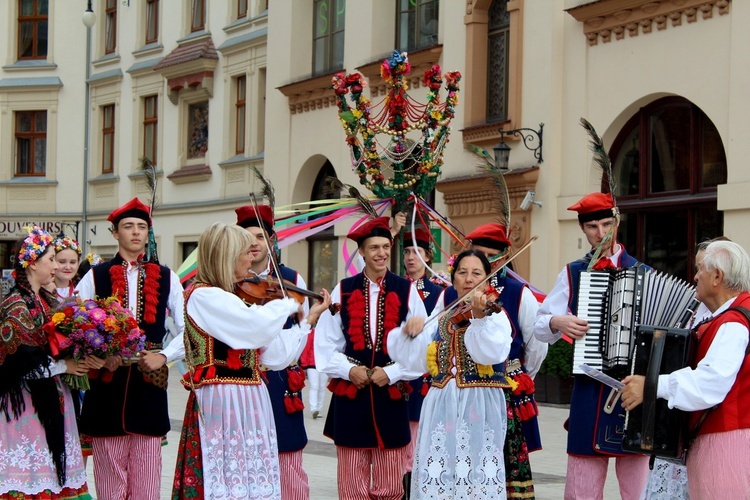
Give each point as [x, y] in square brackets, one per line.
[714, 388]
[525, 358]
[126, 408]
[415, 257]
[594, 435]
[284, 386]
[368, 418]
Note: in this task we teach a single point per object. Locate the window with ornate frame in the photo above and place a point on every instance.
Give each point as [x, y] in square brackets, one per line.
[240, 114]
[31, 143]
[668, 160]
[110, 27]
[328, 36]
[198, 16]
[150, 124]
[33, 29]
[108, 139]
[416, 24]
[498, 51]
[152, 21]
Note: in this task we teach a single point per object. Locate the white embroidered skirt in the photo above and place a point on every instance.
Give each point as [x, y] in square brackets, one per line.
[238, 441]
[459, 450]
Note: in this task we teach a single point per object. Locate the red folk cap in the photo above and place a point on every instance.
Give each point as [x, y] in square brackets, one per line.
[248, 217]
[492, 235]
[133, 208]
[422, 237]
[375, 227]
[595, 206]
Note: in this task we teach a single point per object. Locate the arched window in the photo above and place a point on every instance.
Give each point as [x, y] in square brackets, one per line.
[323, 246]
[667, 162]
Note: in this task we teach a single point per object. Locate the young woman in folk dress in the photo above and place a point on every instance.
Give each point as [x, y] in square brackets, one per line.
[459, 449]
[40, 455]
[228, 447]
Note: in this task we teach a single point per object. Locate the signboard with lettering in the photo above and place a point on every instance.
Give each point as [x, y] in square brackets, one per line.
[15, 229]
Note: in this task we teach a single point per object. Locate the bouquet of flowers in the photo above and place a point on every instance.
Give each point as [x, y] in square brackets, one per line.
[101, 328]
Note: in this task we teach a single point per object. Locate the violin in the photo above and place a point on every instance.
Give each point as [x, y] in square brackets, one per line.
[256, 290]
[463, 314]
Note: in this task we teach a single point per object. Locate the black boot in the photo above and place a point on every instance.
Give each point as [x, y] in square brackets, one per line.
[407, 485]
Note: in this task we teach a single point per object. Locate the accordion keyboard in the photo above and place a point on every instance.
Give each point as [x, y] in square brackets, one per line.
[592, 307]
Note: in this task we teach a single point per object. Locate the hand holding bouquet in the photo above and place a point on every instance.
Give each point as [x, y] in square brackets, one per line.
[84, 328]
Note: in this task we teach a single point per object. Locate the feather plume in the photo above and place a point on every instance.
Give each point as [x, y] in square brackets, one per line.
[501, 201]
[267, 190]
[600, 157]
[150, 171]
[334, 184]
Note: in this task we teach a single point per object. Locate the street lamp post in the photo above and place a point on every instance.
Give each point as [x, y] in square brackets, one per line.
[89, 19]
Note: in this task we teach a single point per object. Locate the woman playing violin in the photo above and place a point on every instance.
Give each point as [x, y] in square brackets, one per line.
[463, 420]
[228, 419]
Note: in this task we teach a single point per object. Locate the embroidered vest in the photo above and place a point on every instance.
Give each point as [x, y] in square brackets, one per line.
[213, 361]
[449, 348]
[734, 412]
[154, 331]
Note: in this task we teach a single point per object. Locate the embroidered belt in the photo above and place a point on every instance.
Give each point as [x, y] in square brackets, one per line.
[512, 365]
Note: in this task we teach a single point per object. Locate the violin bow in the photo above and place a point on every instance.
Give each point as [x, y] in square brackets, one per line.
[466, 296]
[271, 253]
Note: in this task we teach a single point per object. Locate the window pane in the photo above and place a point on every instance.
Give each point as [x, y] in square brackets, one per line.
[497, 75]
[709, 223]
[714, 164]
[27, 8]
[43, 8]
[428, 24]
[241, 8]
[320, 51]
[321, 24]
[626, 165]
[148, 142]
[667, 241]
[150, 107]
[339, 15]
[338, 51]
[41, 38]
[197, 130]
[40, 155]
[324, 264]
[26, 39]
[152, 19]
[406, 32]
[23, 152]
[198, 15]
[240, 130]
[40, 121]
[23, 122]
[107, 153]
[670, 149]
[108, 114]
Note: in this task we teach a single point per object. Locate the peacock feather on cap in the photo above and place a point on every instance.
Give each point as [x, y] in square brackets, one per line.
[150, 172]
[601, 158]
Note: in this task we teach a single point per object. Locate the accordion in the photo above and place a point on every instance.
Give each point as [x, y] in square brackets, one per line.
[653, 427]
[615, 303]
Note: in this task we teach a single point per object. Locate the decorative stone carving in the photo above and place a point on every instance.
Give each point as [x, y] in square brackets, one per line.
[603, 18]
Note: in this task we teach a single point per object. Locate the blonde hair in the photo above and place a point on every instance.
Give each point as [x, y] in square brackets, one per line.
[218, 249]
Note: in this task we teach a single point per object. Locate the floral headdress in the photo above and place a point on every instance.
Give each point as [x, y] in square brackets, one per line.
[94, 258]
[65, 242]
[34, 245]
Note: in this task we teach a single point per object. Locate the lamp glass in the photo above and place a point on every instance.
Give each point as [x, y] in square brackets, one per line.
[502, 156]
[89, 18]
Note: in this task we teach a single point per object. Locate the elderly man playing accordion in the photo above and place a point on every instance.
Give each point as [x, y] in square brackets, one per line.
[594, 434]
[714, 387]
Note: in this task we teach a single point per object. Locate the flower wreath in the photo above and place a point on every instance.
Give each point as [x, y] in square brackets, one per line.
[33, 245]
[415, 164]
[65, 242]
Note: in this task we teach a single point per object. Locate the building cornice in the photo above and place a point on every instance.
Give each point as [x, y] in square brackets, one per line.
[605, 18]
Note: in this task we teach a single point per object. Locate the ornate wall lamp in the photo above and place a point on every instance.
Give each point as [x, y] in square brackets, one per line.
[530, 138]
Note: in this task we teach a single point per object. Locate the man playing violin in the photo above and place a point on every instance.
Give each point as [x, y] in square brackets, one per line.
[284, 386]
[368, 417]
[594, 434]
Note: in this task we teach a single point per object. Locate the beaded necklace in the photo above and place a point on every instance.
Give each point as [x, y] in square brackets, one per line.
[380, 312]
